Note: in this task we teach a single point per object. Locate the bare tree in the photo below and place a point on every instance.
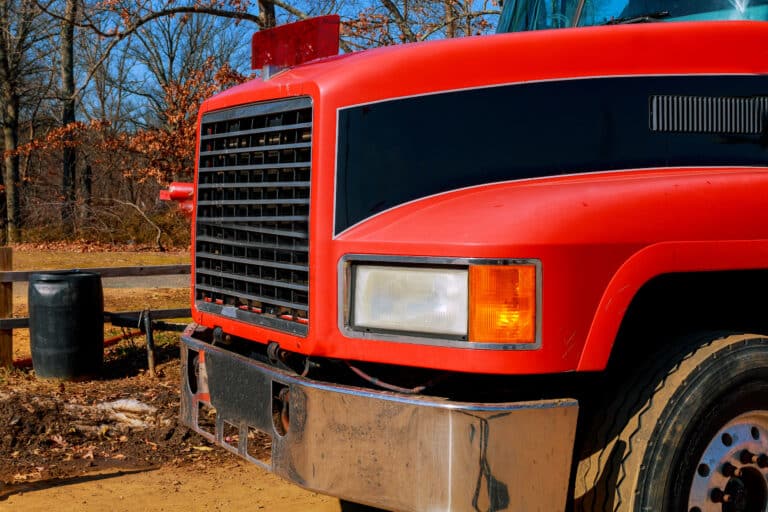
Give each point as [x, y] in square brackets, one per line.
[172, 49]
[67, 95]
[22, 31]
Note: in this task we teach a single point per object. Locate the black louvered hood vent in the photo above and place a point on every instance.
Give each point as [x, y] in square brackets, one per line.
[708, 114]
[252, 223]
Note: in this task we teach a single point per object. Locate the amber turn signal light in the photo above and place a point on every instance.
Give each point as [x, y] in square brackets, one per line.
[502, 303]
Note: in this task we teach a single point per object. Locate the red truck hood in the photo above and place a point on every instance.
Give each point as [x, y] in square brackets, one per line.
[396, 71]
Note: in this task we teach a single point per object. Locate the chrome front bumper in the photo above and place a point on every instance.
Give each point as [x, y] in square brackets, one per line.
[395, 451]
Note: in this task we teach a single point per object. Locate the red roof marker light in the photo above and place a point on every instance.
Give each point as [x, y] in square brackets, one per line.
[295, 43]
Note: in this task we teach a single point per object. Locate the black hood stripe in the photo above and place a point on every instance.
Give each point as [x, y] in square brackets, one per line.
[397, 151]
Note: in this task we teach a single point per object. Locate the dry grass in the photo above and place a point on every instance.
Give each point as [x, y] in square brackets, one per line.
[47, 259]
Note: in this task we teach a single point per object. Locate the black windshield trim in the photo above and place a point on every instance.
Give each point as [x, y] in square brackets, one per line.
[639, 18]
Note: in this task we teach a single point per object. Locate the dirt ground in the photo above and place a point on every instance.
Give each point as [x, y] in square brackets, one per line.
[114, 442]
[230, 487]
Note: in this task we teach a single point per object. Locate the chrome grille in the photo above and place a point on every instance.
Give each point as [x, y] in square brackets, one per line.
[252, 231]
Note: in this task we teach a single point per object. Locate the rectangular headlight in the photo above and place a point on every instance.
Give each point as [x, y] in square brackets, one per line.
[411, 299]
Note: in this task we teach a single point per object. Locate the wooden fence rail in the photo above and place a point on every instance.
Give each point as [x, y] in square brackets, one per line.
[122, 319]
[20, 276]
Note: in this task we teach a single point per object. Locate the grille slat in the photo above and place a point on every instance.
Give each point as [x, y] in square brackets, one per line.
[252, 245]
[249, 261]
[229, 202]
[261, 184]
[255, 280]
[258, 149]
[252, 222]
[222, 220]
[259, 298]
[219, 169]
[258, 130]
[251, 229]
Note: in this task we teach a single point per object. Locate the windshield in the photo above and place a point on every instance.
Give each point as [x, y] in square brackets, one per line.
[522, 15]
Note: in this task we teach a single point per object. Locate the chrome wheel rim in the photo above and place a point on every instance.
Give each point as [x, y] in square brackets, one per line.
[732, 473]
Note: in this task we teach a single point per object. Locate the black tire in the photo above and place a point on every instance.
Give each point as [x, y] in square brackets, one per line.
[348, 506]
[641, 449]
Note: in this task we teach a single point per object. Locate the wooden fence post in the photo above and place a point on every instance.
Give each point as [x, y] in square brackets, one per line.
[6, 309]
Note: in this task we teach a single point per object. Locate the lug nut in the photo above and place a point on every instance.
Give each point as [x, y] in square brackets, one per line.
[747, 457]
[719, 496]
[730, 470]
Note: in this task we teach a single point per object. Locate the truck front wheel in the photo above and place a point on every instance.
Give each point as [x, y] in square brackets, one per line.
[688, 433]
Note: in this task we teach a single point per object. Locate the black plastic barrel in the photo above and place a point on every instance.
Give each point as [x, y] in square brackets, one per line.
[66, 324]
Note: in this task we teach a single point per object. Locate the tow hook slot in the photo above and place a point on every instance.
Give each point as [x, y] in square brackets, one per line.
[281, 400]
[193, 370]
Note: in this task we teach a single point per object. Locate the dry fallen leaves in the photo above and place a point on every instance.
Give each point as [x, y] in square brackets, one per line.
[59, 441]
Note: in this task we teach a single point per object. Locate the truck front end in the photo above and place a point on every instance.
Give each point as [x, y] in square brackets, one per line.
[389, 246]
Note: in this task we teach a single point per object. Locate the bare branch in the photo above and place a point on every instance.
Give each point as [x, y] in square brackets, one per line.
[400, 20]
[146, 218]
[291, 9]
[134, 25]
[453, 19]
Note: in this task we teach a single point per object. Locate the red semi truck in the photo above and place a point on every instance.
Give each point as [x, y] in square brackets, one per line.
[526, 271]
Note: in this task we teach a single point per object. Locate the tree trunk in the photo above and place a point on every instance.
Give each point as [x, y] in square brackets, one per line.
[450, 22]
[267, 17]
[10, 216]
[87, 188]
[69, 158]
